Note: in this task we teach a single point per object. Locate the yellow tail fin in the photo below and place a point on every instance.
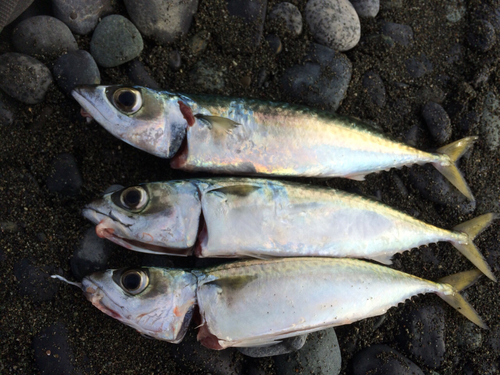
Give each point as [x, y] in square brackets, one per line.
[454, 151]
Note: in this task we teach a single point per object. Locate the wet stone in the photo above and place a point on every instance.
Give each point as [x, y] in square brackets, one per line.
[418, 66]
[321, 80]
[401, 34]
[74, 69]
[290, 15]
[65, 178]
[381, 359]
[469, 336]
[438, 122]
[43, 35]
[163, 20]
[53, 353]
[366, 8]
[422, 335]
[35, 282]
[286, 346]
[333, 23]
[140, 76]
[199, 42]
[174, 60]
[91, 255]
[81, 16]
[481, 35]
[319, 355]
[375, 88]
[24, 77]
[274, 43]
[115, 41]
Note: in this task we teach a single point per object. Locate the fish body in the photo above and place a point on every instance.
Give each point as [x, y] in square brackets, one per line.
[253, 137]
[241, 217]
[256, 303]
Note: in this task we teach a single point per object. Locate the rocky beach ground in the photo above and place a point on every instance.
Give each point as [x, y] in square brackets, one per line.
[423, 72]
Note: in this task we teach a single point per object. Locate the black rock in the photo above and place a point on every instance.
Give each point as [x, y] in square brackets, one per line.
[422, 335]
[6, 113]
[469, 336]
[66, 178]
[481, 35]
[74, 69]
[288, 345]
[115, 41]
[376, 44]
[375, 88]
[81, 16]
[90, 256]
[438, 122]
[174, 60]
[35, 282]
[383, 360]
[43, 35]
[163, 20]
[10, 10]
[418, 66]
[53, 354]
[253, 14]
[401, 34]
[289, 15]
[366, 8]
[139, 75]
[24, 77]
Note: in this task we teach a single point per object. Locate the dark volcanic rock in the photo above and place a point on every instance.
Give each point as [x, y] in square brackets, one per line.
[81, 16]
[290, 15]
[139, 75]
[438, 122]
[375, 88]
[74, 69]
[418, 66]
[481, 35]
[66, 178]
[383, 360]
[401, 34]
[90, 256]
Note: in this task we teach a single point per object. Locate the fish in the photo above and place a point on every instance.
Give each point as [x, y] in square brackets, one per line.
[259, 218]
[224, 135]
[260, 302]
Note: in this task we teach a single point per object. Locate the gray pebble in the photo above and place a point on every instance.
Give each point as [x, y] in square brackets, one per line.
[401, 34]
[322, 79]
[333, 23]
[288, 345]
[65, 178]
[438, 122]
[140, 76]
[199, 42]
[469, 336]
[290, 15]
[455, 10]
[481, 35]
[81, 16]
[366, 8]
[35, 282]
[163, 20]
[253, 14]
[91, 255]
[375, 88]
[208, 77]
[418, 66]
[43, 35]
[115, 41]
[490, 123]
[74, 69]
[174, 60]
[320, 355]
[381, 359]
[24, 77]
[10, 10]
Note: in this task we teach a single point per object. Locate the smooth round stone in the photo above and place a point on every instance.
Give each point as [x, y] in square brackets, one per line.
[288, 345]
[320, 355]
[375, 88]
[140, 76]
[490, 122]
[163, 20]
[321, 80]
[91, 255]
[81, 16]
[401, 34]
[199, 42]
[35, 282]
[481, 35]
[43, 35]
[381, 359]
[366, 8]
[418, 66]
[65, 178]
[438, 122]
[290, 15]
[115, 41]
[455, 10]
[10, 10]
[74, 69]
[376, 44]
[422, 335]
[24, 77]
[333, 23]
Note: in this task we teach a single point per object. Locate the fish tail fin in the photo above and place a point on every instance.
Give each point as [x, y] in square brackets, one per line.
[449, 170]
[459, 282]
[473, 228]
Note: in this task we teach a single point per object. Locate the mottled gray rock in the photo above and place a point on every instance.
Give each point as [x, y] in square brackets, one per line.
[333, 23]
[65, 177]
[24, 77]
[381, 359]
[490, 123]
[91, 255]
[469, 336]
[418, 66]
[322, 80]
[253, 15]
[11, 9]
[455, 10]
[288, 345]
[163, 20]
[81, 16]
[208, 77]
[199, 42]
[140, 76]
[481, 35]
[320, 355]
[290, 15]
[115, 41]
[34, 281]
[366, 8]
[174, 60]
[74, 69]
[6, 113]
[375, 88]
[401, 34]
[438, 122]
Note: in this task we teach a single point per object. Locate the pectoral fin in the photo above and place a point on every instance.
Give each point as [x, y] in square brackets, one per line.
[232, 282]
[238, 190]
[219, 123]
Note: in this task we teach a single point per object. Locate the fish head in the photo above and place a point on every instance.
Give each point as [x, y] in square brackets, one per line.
[157, 302]
[144, 118]
[157, 218]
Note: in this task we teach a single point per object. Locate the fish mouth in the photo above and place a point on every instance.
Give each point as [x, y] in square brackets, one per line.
[86, 96]
[95, 294]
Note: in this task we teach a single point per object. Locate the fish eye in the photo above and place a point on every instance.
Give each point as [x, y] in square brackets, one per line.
[127, 100]
[134, 281]
[133, 198]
